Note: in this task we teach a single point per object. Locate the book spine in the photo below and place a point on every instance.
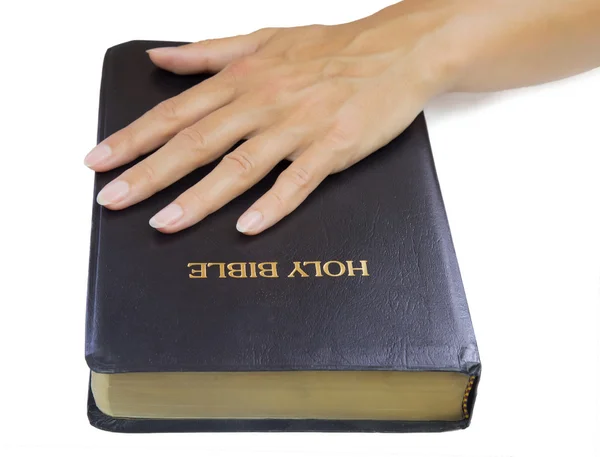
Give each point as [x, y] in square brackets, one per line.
[96, 221]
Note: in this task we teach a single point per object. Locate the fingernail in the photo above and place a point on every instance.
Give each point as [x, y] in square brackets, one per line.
[97, 155]
[249, 221]
[166, 216]
[113, 192]
[159, 50]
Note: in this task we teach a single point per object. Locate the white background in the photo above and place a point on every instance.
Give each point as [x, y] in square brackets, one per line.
[520, 173]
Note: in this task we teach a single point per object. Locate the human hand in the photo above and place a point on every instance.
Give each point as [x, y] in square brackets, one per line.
[323, 97]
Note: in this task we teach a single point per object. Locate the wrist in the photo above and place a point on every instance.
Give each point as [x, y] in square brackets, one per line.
[422, 41]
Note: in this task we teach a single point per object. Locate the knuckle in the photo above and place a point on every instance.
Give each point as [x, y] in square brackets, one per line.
[339, 137]
[343, 135]
[195, 198]
[241, 161]
[278, 199]
[291, 53]
[146, 172]
[239, 68]
[265, 31]
[318, 96]
[298, 175]
[319, 30]
[207, 42]
[312, 102]
[127, 136]
[196, 140]
[166, 110]
[333, 68]
[212, 63]
[359, 42]
[272, 91]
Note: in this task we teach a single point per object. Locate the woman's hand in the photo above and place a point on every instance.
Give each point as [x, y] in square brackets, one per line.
[323, 97]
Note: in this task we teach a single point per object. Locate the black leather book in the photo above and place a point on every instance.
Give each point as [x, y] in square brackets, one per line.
[348, 315]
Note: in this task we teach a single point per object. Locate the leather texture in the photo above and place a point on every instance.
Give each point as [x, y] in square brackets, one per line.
[144, 314]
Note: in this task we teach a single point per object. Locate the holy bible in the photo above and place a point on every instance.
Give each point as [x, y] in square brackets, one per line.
[348, 315]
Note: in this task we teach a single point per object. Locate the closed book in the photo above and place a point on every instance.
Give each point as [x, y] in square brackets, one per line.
[347, 315]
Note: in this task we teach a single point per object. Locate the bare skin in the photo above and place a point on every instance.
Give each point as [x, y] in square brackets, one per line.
[325, 97]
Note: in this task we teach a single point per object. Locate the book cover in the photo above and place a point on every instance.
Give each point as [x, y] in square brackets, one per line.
[351, 303]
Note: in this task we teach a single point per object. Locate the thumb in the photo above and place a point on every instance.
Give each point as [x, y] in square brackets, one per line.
[208, 55]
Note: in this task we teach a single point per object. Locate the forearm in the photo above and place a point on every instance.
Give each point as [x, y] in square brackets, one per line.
[487, 45]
